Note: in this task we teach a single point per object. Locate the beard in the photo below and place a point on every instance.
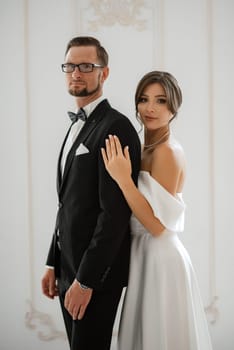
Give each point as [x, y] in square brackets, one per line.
[83, 92]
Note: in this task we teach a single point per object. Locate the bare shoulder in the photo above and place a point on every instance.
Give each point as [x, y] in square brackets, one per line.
[168, 165]
[171, 152]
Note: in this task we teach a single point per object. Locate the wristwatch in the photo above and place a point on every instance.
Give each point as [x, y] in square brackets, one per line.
[82, 286]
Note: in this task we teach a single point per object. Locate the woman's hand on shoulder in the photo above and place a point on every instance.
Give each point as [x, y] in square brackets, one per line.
[117, 161]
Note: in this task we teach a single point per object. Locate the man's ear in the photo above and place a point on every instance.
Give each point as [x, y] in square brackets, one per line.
[105, 73]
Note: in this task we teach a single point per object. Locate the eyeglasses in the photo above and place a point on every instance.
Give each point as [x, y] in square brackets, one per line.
[83, 67]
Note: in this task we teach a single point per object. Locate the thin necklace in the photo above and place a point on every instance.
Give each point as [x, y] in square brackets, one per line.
[152, 144]
[155, 143]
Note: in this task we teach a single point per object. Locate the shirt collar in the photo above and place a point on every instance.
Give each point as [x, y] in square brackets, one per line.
[91, 106]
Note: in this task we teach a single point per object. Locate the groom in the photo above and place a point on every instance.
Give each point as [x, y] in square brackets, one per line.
[88, 260]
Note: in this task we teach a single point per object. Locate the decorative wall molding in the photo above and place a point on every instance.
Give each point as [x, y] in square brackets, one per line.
[158, 34]
[28, 146]
[34, 319]
[124, 12]
[211, 310]
[42, 323]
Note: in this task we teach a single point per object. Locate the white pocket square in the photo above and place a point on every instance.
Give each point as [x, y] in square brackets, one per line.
[82, 149]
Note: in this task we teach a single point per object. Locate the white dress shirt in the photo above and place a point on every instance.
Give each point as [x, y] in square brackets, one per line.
[75, 129]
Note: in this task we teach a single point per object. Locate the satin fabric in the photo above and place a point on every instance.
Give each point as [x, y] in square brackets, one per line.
[162, 309]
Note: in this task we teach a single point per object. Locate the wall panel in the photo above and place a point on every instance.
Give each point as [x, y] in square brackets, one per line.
[192, 40]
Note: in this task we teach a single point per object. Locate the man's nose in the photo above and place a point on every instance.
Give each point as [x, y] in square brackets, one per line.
[76, 73]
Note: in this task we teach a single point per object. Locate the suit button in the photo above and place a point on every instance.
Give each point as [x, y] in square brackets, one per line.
[60, 204]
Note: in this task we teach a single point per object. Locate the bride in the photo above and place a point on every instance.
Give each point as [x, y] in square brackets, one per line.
[162, 309]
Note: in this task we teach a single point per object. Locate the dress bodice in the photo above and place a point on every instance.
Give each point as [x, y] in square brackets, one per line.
[167, 208]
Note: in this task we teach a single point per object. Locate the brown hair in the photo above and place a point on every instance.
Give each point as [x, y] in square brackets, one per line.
[89, 41]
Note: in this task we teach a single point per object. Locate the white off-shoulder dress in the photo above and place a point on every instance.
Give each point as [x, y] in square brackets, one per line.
[162, 309]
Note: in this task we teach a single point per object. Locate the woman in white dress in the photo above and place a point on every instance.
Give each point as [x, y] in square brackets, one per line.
[162, 309]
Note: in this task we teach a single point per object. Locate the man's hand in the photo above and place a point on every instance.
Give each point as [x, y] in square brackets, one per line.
[48, 284]
[77, 300]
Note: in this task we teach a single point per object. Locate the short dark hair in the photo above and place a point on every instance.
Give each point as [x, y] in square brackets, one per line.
[90, 41]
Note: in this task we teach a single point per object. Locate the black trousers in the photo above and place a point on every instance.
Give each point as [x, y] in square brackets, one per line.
[94, 331]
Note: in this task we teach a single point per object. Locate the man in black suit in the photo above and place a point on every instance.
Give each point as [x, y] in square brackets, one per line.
[88, 260]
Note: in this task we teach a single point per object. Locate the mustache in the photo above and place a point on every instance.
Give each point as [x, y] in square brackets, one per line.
[78, 81]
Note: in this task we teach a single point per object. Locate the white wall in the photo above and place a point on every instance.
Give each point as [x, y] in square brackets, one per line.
[191, 39]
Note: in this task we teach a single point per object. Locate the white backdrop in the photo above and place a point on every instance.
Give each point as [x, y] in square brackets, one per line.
[191, 39]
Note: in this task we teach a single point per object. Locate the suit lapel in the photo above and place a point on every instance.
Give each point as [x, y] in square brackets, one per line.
[59, 174]
[93, 120]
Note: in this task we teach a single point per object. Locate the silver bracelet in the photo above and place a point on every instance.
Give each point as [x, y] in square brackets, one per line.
[82, 286]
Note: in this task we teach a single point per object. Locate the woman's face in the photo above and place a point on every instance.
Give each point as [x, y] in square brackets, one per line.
[153, 108]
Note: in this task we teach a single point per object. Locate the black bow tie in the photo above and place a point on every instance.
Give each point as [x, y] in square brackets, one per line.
[80, 115]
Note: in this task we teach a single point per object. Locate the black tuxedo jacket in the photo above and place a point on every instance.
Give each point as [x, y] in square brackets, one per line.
[93, 216]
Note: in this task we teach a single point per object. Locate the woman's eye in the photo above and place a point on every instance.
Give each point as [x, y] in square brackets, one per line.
[142, 100]
[161, 101]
